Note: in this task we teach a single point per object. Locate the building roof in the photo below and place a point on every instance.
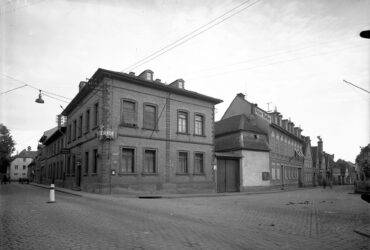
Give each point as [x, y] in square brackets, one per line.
[56, 134]
[235, 124]
[47, 134]
[229, 136]
[101, 73]
[26, 154]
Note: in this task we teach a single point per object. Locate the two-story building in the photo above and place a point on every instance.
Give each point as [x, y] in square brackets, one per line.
[128, 133]
[18, 168]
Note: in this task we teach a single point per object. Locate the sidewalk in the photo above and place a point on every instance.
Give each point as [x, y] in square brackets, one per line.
[170, 196]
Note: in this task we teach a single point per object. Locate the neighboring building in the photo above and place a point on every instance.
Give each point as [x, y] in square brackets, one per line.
[285, 141]
[322, 164]
[19, 166]
[41, 158]
[308, 171]
[242, 155]
[133, 133]
[52, 157]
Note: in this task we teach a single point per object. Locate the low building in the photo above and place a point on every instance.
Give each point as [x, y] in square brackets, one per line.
[242, 155]
[19, 166]
[284, 140]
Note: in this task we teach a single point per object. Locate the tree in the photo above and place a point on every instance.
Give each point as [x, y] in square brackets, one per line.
[6, 147]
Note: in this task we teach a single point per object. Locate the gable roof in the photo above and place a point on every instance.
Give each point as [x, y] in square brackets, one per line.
[235, 124]
[101, 73]
[47, 134]
[26, 154]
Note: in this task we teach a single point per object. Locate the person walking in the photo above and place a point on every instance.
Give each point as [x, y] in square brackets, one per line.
[324, 183]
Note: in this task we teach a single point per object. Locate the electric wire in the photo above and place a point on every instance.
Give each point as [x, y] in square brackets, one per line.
[10, 90]
[186, 38]
[31, 86]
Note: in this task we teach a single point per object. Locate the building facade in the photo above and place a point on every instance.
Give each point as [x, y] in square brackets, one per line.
[128, 133]
[285, 141]
[18, 168]
[242, 153]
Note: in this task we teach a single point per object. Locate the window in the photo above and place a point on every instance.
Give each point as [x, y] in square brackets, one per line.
[24, 159]
[128, 115]
[24, 167]
[199, 163]
[182, 122]
[61, 143]
[96, 114]
[80, 126]
[95, 162]
[69, 132]
[86, 168]
[74, 130]
[61, 170]
[16, 167]
[199, 125]
[182, 163]
[149, 161]
[87, 121]
[127, 160]
[73, 164]
[68, 171]
[150, 117]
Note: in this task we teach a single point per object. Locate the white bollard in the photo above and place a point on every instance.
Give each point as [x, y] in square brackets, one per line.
[52, 194]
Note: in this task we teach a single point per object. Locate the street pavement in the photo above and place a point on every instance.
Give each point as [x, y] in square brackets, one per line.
[302, 219]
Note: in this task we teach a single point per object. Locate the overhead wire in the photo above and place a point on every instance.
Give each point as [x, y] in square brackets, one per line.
[31, 86]
[10, 90]
[190, 35]
[273, 63]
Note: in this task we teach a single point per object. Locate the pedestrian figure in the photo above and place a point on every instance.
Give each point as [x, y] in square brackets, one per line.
[3, 180]
[324, 183]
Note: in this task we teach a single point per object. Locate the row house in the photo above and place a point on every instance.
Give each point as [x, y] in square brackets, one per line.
[285, 143]
[127, 133]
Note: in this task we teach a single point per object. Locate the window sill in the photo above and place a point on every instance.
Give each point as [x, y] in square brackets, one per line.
[122, 173]
[183, 174]
[199, 135]
[94, 174]
[153, 174]
[86, 132]
[85, 174]
[95, 127]
[182, 133]
[199, 174]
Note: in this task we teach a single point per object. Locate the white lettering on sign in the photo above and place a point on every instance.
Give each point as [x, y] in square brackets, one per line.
[262, 114]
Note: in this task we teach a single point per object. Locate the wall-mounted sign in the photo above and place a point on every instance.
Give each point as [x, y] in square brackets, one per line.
[106, 134]
[262, 114]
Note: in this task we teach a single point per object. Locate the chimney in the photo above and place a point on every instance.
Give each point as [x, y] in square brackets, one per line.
[320, 146]
[147, 75]
[179, 83]
[295, 131]
[132, 73]
[81, 85]
[299, 131]
[241, 95]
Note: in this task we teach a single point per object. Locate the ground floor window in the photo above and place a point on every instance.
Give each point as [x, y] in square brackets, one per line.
[127, 164]
[182, 165]
[199, 163]
[149, 161]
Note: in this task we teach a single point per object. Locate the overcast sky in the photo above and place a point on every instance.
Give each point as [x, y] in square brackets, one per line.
[292, 54]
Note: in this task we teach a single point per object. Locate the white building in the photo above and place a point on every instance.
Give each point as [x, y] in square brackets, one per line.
[19, 166]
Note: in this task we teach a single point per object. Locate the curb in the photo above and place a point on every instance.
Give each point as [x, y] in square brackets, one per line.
[56, 189]
[363, 231]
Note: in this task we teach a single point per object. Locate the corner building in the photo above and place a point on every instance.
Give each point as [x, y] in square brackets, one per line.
[128, 133]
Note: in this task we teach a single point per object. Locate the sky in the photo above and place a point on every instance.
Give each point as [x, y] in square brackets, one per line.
[288, 54]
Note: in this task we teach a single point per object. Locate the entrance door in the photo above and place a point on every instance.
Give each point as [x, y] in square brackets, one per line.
[227, 175]
[78, 175]
[300, 183]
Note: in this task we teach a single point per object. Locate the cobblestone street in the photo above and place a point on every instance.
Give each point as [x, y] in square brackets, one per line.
[303, 219]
